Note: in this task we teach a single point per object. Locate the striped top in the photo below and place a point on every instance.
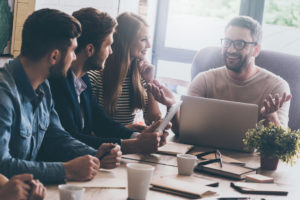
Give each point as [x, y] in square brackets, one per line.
[122, 113]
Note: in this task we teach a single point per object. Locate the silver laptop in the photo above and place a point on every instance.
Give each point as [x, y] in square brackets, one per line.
[215, 123]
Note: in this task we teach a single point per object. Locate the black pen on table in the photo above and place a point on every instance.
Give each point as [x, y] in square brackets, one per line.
[107, 152]
[234, 198]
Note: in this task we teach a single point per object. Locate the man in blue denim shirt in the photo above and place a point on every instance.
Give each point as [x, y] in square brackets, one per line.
[29, 125]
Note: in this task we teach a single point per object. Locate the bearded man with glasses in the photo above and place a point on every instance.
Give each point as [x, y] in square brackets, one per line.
[240, 79]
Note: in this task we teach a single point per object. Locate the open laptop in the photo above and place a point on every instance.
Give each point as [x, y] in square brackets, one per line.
[215, 123]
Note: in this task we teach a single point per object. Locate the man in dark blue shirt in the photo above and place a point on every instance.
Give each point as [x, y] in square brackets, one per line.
[79, 112]
[30, 128]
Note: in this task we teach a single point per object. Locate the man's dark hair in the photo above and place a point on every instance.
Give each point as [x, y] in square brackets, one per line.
[96, 26]
[46, 30]
[248, 23]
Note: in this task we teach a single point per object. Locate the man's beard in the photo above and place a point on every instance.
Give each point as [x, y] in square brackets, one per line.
[59, 69]
[239, 66]
[93, 63]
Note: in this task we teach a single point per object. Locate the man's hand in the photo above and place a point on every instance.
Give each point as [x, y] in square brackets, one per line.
[146, 70]
[82, 168]
[38, 191]
[149, 140]
[136, 127]
[163, 138]
[17, 188]
[271, 106]
[161, 94]
[113, 157]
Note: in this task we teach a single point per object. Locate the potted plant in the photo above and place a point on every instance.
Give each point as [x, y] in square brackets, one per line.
[273, 143]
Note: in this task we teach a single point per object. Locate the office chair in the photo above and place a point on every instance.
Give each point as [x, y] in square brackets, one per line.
[285, 65]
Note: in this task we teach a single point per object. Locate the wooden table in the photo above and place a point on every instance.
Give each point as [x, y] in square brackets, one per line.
[286, 176]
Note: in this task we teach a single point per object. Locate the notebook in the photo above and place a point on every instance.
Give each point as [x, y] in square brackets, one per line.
[258, 178]
[215, 123]
[174, 148]
[227, 170]
[259, 188]
[188, 189]
[153, 158]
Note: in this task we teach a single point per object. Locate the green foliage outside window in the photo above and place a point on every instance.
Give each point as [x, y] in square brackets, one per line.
[282, 12]
[277, 12]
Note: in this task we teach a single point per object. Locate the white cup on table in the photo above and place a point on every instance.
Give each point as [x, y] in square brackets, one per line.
[70, 192]
[139, 177]
[186, 164]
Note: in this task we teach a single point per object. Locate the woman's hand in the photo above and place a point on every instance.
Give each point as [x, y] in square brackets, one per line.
[161, 94]
[146, 70]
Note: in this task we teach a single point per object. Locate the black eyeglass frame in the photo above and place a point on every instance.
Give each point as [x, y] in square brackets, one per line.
[234, 42]
[218, 158]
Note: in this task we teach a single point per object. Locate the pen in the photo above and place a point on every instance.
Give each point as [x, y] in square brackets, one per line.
[220, 157]
[107, 152]
[234, 198]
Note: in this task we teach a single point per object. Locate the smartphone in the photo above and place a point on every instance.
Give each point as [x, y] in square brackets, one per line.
[173, 110]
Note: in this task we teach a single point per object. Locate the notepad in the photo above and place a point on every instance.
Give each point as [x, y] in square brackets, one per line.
[173, 148]
[258, 188]
[227, 170]
[258, 178]
[112, 179]
[152, 158]
[188, 189]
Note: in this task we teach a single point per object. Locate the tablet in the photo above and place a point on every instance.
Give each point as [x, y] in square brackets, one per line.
[173, 110]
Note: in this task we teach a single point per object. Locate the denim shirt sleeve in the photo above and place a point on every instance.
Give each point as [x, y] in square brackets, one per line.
[59, 145]
[11, 165]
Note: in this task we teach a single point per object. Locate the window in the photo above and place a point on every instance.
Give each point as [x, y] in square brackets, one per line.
[281, 26]
[197, 24]
[183, 29]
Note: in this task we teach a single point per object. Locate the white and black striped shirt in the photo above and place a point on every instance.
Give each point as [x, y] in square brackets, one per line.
[122, 113]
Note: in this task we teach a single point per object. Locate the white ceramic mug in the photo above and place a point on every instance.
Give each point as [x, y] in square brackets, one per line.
[186, 164]
[139, 177]
[70, 192]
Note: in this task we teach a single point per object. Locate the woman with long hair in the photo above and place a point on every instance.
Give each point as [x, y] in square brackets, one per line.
[121, 86]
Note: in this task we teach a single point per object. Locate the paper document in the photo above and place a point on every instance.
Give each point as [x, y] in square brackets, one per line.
[115, 178]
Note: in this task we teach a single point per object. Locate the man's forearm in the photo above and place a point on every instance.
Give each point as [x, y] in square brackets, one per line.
[46, 172]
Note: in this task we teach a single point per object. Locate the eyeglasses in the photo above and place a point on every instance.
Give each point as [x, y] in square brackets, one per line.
[238, 44]
[218, 158]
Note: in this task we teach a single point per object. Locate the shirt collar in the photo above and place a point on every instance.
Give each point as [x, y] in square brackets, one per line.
[24, 85]
[79, 84]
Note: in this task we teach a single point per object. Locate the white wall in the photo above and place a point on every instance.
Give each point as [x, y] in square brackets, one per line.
[129, 6]
[151, 19]
[113, 7]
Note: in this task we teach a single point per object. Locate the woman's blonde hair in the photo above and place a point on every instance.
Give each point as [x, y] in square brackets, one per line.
[118, 65]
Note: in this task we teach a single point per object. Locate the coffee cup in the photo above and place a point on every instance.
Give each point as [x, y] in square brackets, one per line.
[139, 177]
[186, 164]
[70, 192]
